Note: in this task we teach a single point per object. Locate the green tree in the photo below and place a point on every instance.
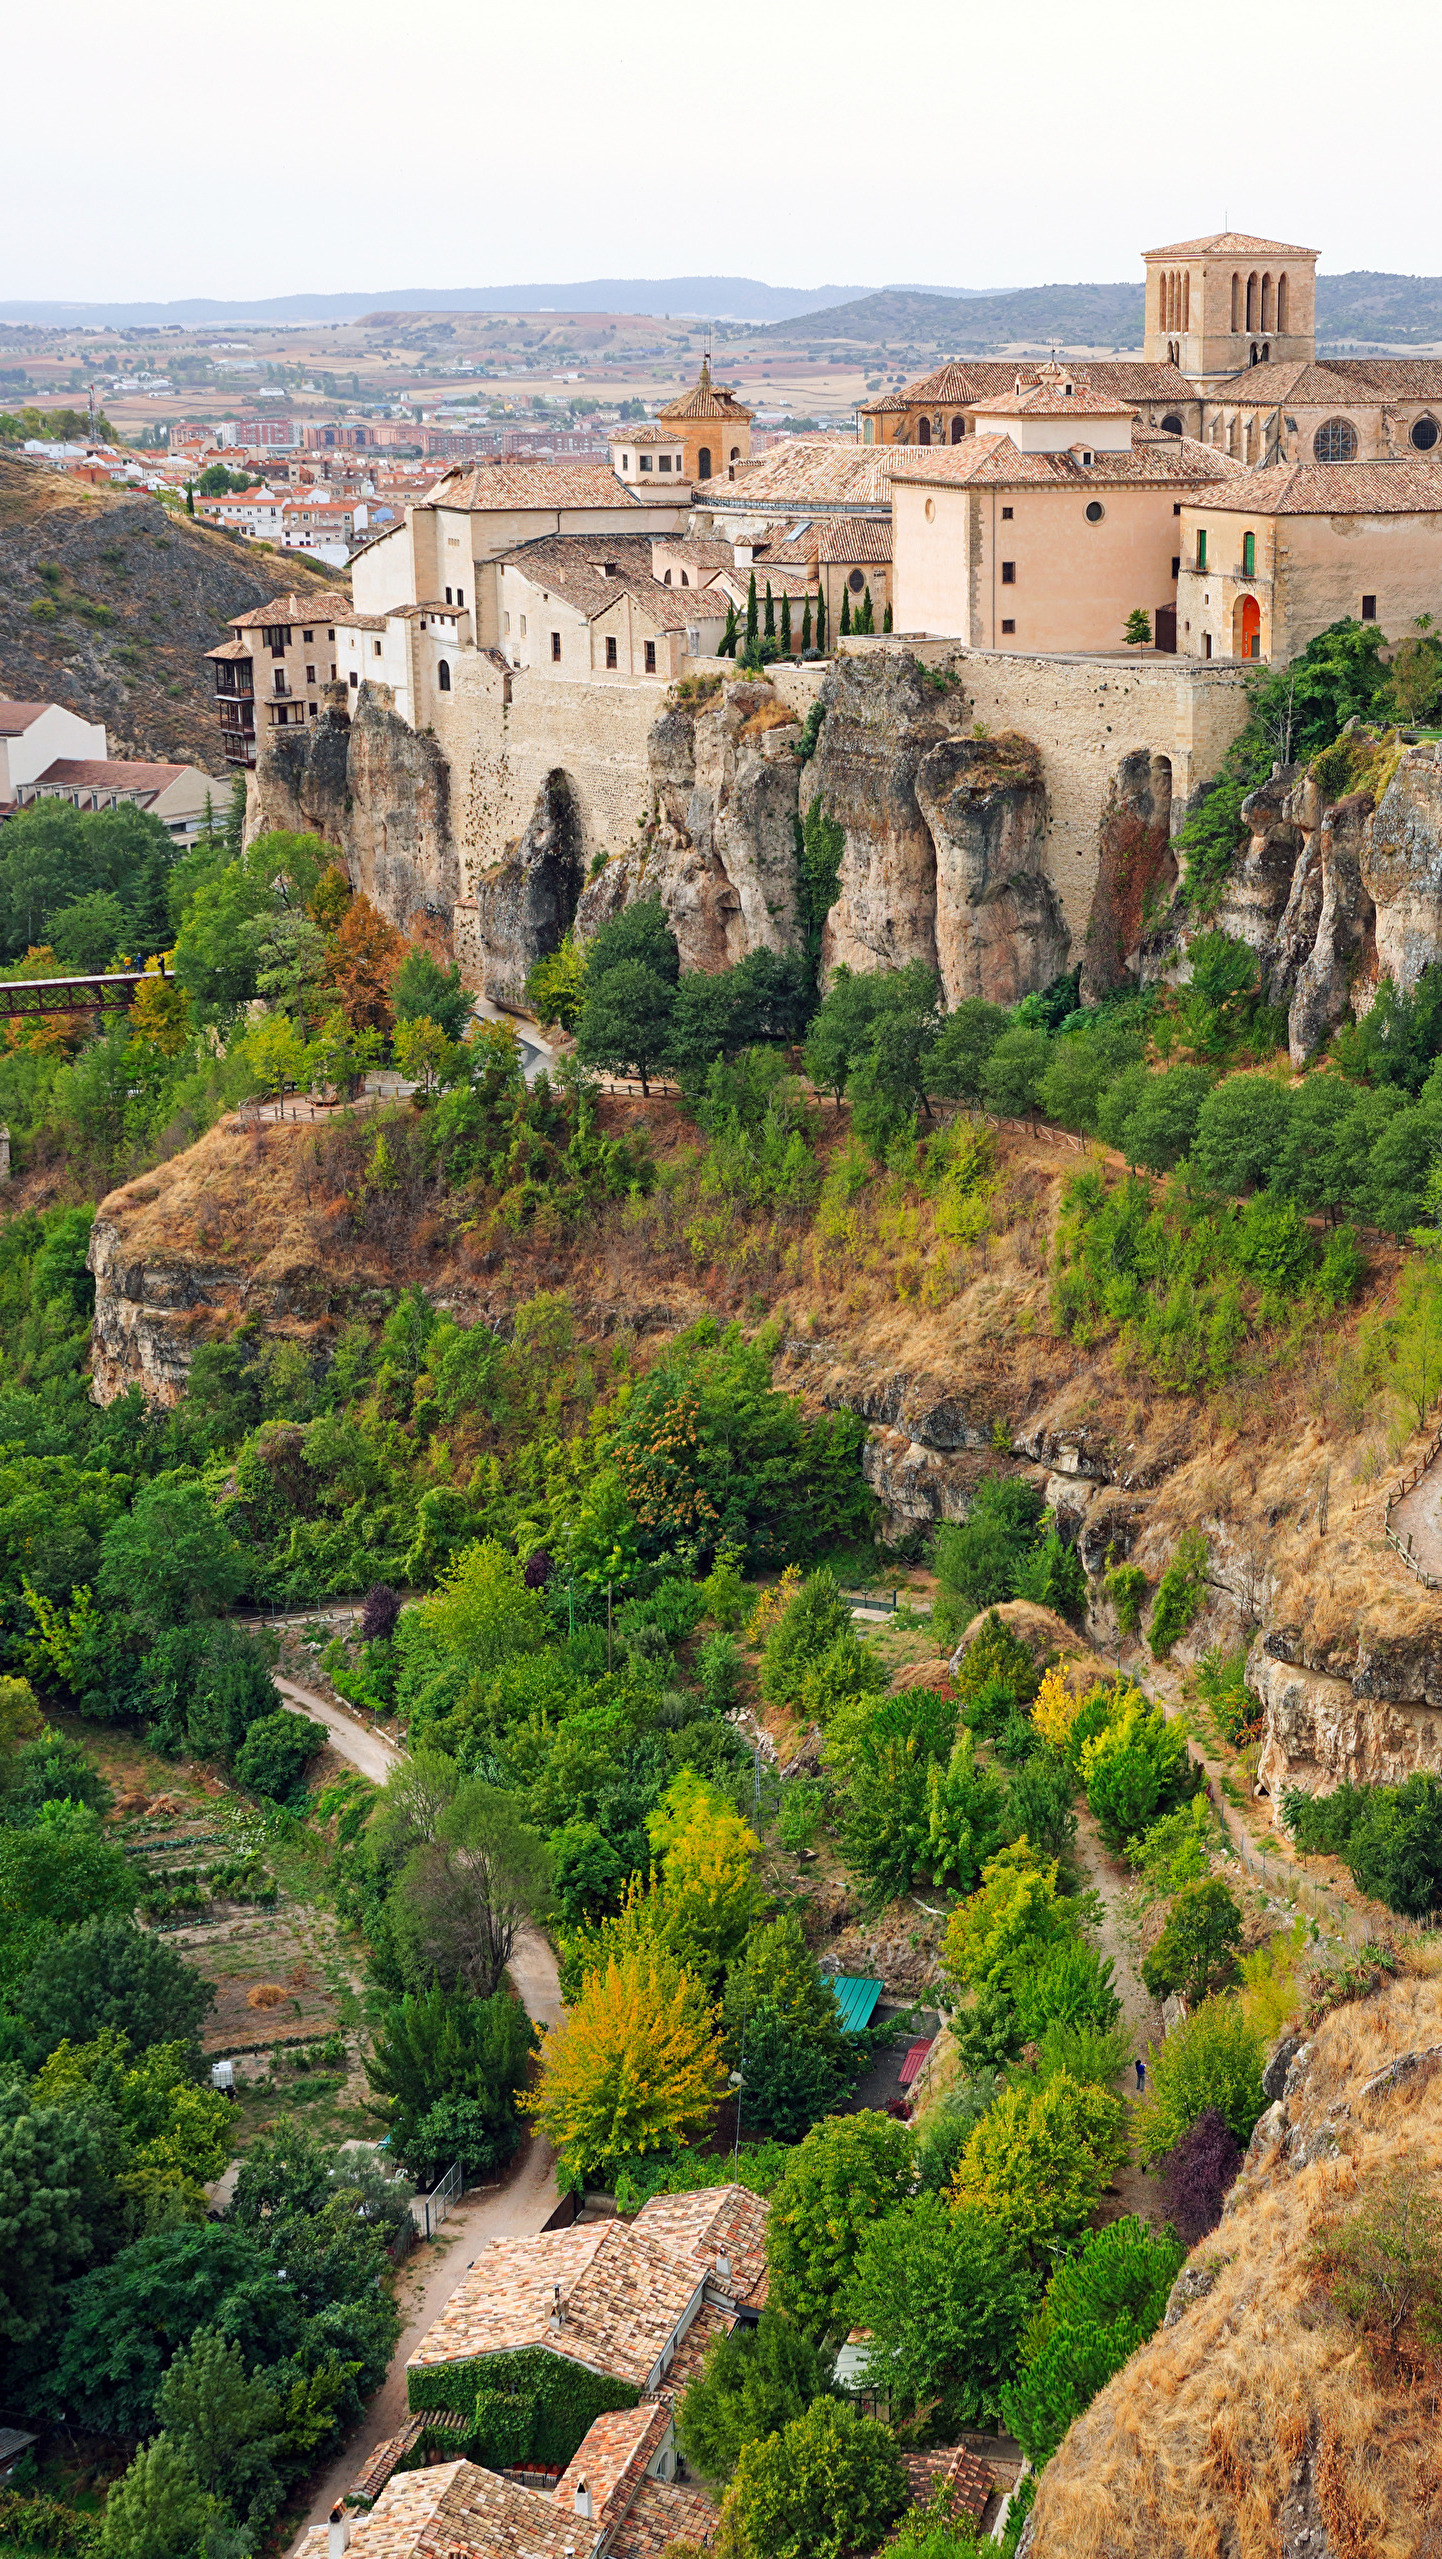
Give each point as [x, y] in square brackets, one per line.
[88, 934]
[482, 1611]
[557, 983]
[753, 617]
[809, 1623]
[1041, 2159]
[462, 1898]
[52, 2164]
[825, 2487]
[1070, 1985]
[1137, 1767]
[107, 1973]
[1214, 2058]
[159, 2509]
[1100, 2306]
[821, 618]
[841, 1032]
[964, 1044]
[450, 2068]
[277, 1750]
[806, 624]
[1015, 1915]
[944, 2298]
[844, 626]
[126, 2320]
[845, 2174]
[1138, 633]
[1012, 1076]
[754, 2382]
[1162, 1123]
[768, 626]
[52, 1876]
[169, 1557]
[1197, 1950]
[625, 1021]
[422, 990]
[1240, 1132]
[225, 2422]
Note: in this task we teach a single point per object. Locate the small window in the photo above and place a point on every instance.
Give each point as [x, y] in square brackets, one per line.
[1369, 608]
[666, 579]
[307, 635]
[330, 635]
[685, 577]
[1171, 423]
[355, 679]
[1206, 644]
[645, 461]
[448, 595]
[1095, 511]
[443, 676]
[310, 675]
[650, 657]
[1177, 509]
[665, 461]
[1249, 555]
[1007, 627]
[610, 653]
[555, 644]
[1424, 434]
[856, 581]
[1008, 572]
[375, 644]
[523, 626]
[1202, 548]
[1007, 513]
[460, 595]
[1335, 441]
[506, 619]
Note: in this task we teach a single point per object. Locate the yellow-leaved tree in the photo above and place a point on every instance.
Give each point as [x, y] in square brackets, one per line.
[1067, 1718]
[706, 1887]
[633, 2068]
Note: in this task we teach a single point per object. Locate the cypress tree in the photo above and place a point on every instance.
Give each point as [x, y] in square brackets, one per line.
[769, 625]
[886, 619]
[821, 617]
[806, 625]
[190, 497]
[726, 645]
[845, 613]
[785, 626]
[753, 623]
[868, 617]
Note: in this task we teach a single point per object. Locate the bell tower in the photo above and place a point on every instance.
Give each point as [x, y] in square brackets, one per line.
[1217, 306]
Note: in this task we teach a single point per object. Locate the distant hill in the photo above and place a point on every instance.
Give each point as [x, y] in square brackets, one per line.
[121, 634]
[1397, 310]
[1106, 315]
[708, 297]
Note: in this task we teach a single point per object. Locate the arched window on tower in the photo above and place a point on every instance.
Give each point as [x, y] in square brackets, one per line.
[1252, 290]
[1236, 304]
[958, 429]
[443, 676]
[923, 431]
[1283, 300]
[703, 463]
[1187, 299]
[1268, 307]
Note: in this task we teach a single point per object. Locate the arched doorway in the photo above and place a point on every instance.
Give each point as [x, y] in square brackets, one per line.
[703, 463]
[1247, 628]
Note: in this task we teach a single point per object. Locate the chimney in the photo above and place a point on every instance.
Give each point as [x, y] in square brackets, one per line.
[723, 2269]
[583, 2499]
[556, 2306]
[338, 2533]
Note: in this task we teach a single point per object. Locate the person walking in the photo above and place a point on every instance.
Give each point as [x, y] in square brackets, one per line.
[1141, 2070]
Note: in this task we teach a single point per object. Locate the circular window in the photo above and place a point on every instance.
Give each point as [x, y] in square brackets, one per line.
[1335, 441]
[1424, 434]
[1095, 511]
[856, 581]
[931, 510]
[1171, 423]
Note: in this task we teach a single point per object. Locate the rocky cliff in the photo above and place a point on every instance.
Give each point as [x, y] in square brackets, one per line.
[1339, 881]
[366, 781]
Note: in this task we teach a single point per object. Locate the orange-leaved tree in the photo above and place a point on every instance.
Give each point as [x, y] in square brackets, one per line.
[632, 2070]
[362, 956]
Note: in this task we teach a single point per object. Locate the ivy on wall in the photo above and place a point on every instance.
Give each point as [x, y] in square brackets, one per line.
[531, 2407]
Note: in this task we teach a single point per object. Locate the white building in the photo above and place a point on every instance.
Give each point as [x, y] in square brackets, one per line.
[413, 649]
[182, 798]
[33, 734]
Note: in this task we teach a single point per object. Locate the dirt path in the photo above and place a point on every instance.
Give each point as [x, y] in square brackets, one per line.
[516, 2210]
[1133, 2189]
[370, 1752]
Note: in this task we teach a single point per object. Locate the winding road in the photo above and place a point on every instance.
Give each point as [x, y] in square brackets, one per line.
[515, 2210]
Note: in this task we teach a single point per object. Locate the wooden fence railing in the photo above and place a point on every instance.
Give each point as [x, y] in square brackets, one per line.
[1405, 1485]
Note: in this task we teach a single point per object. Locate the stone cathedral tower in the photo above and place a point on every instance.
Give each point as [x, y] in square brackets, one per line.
[1216, 306]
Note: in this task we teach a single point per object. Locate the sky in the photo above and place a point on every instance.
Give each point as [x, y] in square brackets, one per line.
[808, 142]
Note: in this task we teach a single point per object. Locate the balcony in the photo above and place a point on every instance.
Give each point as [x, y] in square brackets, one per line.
[238, 715]
[234, 683]
[237, 746]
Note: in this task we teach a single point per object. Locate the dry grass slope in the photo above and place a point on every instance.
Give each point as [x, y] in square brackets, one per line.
[1260, 2426]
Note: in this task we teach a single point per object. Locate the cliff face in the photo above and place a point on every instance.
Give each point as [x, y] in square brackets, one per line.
[1136, 872]
[367, 782]
[522, 907]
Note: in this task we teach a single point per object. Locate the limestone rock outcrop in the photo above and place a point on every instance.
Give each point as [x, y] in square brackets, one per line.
[1259, 887]
[522, 907]
[1343, 957]
[1323, 1729]
[882, 718]
[1136, 872]
[719, 845]
[371, 784]
[1000, 932]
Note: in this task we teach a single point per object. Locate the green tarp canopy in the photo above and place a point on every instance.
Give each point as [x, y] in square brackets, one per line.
[856, 1999]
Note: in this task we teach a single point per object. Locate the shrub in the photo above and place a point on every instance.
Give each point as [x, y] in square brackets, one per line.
[1014, 1915]
[1137, 1767]
[1099, 2307]
[825, 2487]
[1196, 1952]
[1213, 2059]
[1071, 1986]
[1388, 1837]
[809, 1624]
[1041, 2160]
[1383, 2260]
[1181, 1593]
[1198, 2172]
[978, 1561]
[996, 1658]
[276, 1752]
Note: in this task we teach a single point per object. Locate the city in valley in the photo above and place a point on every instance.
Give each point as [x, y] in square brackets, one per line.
[720, 1297]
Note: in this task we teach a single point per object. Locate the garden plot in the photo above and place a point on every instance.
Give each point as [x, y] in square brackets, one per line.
[278, 1978]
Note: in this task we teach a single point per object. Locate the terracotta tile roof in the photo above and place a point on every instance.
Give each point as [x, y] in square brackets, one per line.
[1408, 485]
[306, 609]
[707, 400]
[993, 461]
[661, 2514]
[971, 2481]
[805, 476]
[960, 385]
[17, 717]
[1333, 382]
[1045, 400]
[570, 565]
[693, 550]
[234, 649]
[721, 2232]
[646, 435]
[857, 537]
[377, 2471]
[612, 2460]
[1231, 244]
[512, 483]
[622, 2298]
[84, 773]
[691, 2354]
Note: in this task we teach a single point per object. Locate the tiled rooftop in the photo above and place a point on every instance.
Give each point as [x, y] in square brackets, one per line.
[304, 609]
[660, 2515]
[512, 485]
[1231, 244]
[993, 461]
[970, 2480]
[804, 475]
[708, 400]
[1048, 400]
[612, 2460]
[858, 538]
[721, 2223]
[962, 385]
[17, 717]
[1410, 485]
[1333, 382]
[644, 435]
[85, 773]
[571, 565]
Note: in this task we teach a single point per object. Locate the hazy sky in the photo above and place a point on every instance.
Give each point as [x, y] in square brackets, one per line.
[176, 151]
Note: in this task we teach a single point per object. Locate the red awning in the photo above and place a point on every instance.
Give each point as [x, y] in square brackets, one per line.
[915, 2056]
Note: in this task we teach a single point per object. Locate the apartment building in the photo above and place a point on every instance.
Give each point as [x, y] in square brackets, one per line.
[272, 672]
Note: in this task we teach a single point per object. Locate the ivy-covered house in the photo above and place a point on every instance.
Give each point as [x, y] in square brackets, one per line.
[544, 2335]
[616, 2499]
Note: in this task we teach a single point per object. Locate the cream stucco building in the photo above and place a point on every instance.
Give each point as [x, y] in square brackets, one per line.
[1270, 558]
